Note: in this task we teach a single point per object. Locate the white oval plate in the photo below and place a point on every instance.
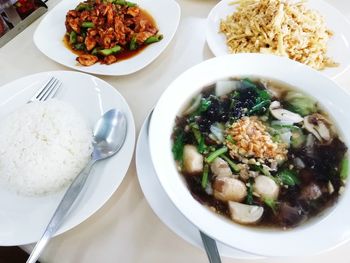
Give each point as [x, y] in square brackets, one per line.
[313, 237]
[338, 46]
[23, 219]
[162, 205]
[48, 37]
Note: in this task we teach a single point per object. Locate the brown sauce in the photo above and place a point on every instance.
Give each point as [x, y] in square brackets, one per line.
[125, 53]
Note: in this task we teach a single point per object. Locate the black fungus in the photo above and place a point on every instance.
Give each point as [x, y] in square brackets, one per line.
[289, 216]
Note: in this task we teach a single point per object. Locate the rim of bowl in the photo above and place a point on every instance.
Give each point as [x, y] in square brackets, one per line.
[328, 231]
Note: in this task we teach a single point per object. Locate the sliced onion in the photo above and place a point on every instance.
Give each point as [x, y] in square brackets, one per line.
[285, 137]
[223, 87]
[299, 163]
[217, 129]
[194, 106]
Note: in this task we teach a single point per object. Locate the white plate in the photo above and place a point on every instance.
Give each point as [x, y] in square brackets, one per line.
[48, 37]
[334, 224]
[162, 205]
[338, 47]
[23, 219]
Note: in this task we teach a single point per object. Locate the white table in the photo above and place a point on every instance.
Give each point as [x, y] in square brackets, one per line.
[125, 229]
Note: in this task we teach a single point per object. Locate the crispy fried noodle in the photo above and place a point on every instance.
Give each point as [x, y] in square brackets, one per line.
[278, 27]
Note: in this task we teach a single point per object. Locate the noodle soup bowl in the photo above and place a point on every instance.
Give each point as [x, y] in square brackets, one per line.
[318, 234]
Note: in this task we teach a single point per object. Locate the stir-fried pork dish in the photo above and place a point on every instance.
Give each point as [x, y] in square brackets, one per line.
[106, 31]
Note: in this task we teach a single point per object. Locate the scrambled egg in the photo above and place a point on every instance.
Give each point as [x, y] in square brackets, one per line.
[278, 27]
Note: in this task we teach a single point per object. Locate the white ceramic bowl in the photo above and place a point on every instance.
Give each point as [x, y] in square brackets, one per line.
[316, 236]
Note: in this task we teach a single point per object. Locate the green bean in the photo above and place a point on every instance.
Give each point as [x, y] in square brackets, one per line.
[95, 51]
[123, 2]
[72, 37]
[82, 7]
[153, 39]
[133, 44]
[79, 46]
[87, 25]
[215, 154]
[110, 51]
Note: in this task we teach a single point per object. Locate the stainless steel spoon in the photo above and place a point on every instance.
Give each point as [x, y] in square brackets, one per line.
[109, 136]
[209, 244]
[210, 248]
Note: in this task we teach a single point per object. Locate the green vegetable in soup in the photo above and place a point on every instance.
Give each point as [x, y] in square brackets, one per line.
[205, 176]
[203, 107]
[263, 98]
[271, 203]
[216, 154]
[202, 147]
[288, 177]
[298, 138]
[300, 103]
[261, 106]
[233, 166]
[178, 146]
[344, 168]
[247, 83]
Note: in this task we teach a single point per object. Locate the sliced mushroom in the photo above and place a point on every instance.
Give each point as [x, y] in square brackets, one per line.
[220, 168]
[245, 214]
[284, 115]
[266, 187]
[311, 192]
[318, 126]
[229, 189]
[193, 160]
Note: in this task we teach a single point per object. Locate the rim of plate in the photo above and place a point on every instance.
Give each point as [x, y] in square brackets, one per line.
[334, 224]
[52, 27]
[339, 23]
[109, 183]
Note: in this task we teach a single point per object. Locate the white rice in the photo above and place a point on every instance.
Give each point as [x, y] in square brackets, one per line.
[43, 147]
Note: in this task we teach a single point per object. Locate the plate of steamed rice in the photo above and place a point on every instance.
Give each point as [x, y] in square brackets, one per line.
[44, 146]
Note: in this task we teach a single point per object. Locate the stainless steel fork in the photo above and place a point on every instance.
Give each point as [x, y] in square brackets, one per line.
[48, 91]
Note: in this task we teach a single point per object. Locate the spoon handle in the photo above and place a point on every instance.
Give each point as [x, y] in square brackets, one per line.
[210, 248]
[61, 211]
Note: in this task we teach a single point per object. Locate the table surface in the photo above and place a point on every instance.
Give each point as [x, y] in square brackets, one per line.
[125, 228]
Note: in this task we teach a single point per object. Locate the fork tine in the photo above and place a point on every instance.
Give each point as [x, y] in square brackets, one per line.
[47, 91]
[43, 89]
[50, 94]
